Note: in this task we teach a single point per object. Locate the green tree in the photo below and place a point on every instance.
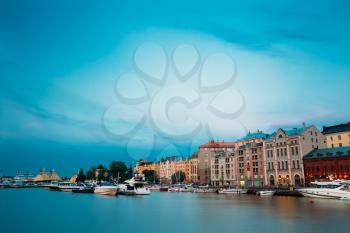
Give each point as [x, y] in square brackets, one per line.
[81, 176]
[102, 173]
[151, 176]
[118, 170]
[91, 173]
[178, 177]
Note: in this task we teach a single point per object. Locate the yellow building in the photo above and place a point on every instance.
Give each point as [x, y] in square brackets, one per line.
[337, 135]
[143, 165]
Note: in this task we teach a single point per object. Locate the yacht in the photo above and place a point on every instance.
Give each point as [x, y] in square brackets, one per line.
[330, 190]
[134, 186]
[106, 188]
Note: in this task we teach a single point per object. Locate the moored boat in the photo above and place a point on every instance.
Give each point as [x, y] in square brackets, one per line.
[232, 191]
[134, 186]
[106, 189]
[265, 193]
[328, 190]
[67, 186]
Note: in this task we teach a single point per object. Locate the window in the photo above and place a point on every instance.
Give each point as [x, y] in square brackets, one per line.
[331, 138]
[293, 163]
[279, 165]
[285, 151]
[339, 137]
[312, 139]
[296, 150]
[298, 166]
[278, 152]
[292, 150]
[340, 144]
[332, 145]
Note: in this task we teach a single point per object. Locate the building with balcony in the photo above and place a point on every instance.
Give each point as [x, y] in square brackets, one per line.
[223, 169]
[250, 160]
[206, 153]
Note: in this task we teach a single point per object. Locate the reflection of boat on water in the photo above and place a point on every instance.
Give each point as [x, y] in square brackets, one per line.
[232, 191]
[339, 189]
[265, 193]
[205, 189]
[134, 186]
[106, 188]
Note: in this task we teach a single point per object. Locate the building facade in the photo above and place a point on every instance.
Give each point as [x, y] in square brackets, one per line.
[250, 160]
[284, 151]
[337, 135]
[143, 165]
[223, 169]
[206, 153]
[193, 169]
[330, 163]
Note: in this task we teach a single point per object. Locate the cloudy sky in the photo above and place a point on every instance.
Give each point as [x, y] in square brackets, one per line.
[85, 83]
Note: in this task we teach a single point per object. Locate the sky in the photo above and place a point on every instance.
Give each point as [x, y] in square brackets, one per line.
[84, 83]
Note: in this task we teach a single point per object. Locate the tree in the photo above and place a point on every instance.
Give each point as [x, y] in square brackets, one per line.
[151, 176]
[102, 173]
[129, 175]
[118, 170]
[81, 176]
[178, 177]
[91, 174]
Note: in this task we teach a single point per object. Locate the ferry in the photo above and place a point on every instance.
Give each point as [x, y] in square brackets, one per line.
[338, 189]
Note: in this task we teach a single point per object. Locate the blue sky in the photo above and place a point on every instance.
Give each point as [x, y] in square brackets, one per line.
[60, 62]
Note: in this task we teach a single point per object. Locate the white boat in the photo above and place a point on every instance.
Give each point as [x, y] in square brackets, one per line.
[232, 191]
[265, 193]
[134, 186]
[106, 189]
[67, 186]
[328, 190]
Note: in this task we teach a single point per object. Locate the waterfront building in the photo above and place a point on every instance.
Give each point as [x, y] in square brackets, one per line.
[223, 169]
[337, 135]
[206, 153]
[327, 164]
[143, 165]
[193, 169]
[250, 160]
[284, 151]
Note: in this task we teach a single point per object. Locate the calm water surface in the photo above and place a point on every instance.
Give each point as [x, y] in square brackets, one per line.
[39, 210]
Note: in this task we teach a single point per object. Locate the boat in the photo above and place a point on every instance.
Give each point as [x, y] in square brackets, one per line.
[265, 193]
[134, 186]
[53, 186]
[163, 189]
[106, 188]
[328, 190]
[67, 186]
[232, 191]
[5, 184]
[84, 189]
[154, 188]
[205, 189]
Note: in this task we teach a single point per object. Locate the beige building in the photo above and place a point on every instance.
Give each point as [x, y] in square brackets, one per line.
[143, 165]
[337, 135]
[223, 169]
[284, 151]
[250, 160]
[193, 169]
[206, 153]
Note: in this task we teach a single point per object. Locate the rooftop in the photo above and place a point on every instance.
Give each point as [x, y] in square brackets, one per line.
[218, 144]
[329, 153]
[336, 128]
[288, 132]
[256, 135]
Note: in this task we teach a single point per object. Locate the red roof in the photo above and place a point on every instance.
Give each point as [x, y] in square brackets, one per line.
[221, 144]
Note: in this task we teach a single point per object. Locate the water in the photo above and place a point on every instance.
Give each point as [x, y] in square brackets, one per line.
[39, 210]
